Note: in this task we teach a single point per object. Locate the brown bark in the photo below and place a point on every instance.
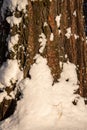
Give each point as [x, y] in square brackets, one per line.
[55, 51]
[53, 46]
[75, 48]
[46, 12]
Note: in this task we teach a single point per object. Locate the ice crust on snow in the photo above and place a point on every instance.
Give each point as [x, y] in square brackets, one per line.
[45, 106]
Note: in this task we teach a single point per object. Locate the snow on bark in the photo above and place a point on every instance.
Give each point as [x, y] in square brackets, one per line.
[12, 41]
[51, 37]
[12, 20]
[58, 18]
[68, 34]
[74, 13]
[13, 4]
[42, 41]
[10, 71]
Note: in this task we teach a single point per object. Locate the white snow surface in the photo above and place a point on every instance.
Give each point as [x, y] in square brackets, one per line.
[58, 18]
[10, 71]
[45, 106]
[45, 24]
[76, 36]
[58, 21]
[68, 34]
[42, 40]
[13, 4]
[51, 37]
[13, 40]
[12, 20]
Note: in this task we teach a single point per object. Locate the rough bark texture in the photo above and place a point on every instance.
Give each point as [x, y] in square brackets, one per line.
[46, 12]
[41, 12]
[75, 48]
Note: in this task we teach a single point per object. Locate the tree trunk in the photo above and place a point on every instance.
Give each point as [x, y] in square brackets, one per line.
[74, 45]
[61, 22]
[46, 13]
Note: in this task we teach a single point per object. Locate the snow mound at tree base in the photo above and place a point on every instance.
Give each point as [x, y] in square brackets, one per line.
[47, 107]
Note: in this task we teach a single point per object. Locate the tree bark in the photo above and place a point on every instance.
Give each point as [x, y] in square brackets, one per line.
[41, 19]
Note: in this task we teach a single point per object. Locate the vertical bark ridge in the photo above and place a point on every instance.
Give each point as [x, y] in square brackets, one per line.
[52, 46]
[30, 52]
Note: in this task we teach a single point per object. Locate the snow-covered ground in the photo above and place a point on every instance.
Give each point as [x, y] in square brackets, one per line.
[47, 107]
